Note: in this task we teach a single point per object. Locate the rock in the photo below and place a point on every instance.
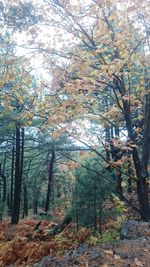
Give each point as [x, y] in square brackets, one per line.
[134, 230]
[85, 252]
[95, 254]
[82, 248]
[123, 255]
[49, 261]
[72, 254]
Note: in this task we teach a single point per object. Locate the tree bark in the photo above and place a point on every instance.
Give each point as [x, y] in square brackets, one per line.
[18, 174]
[12, 173]
[146, 135]
[61, 226]
[130, 173]
[142, 185]
[4, 184]
[118, 178]
[50, 178]
[107, 138]
[35, 203]
[25, 202]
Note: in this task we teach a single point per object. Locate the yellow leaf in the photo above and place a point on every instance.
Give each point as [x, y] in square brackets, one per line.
[138, 263]
[109, 252]
[123, 184]
[117, 257]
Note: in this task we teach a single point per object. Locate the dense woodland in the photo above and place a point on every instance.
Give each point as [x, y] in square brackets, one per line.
[75, 112]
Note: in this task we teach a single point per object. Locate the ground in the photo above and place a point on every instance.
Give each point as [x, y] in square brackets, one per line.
[22, 246]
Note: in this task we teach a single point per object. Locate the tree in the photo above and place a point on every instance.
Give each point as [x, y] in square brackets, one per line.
[89, 193]
[18, 174]
[50, 178]
[99, 76]
[111, 53]
[16, 104]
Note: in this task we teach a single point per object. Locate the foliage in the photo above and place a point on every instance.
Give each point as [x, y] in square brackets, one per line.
[108, 236]
[89, 194]
[21, 245]
[119, 205]
[93, 90]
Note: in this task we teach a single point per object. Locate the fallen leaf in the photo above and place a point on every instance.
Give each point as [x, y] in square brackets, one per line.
[110, 252]
[138, 263]
[117, 257]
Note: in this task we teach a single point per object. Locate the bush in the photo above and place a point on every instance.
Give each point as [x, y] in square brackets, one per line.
[107, 237]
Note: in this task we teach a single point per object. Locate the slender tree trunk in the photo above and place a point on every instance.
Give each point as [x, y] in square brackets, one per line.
[4, 188]
[129, 178]
[118, 178]
[4, 183]
[117, 132]
[21, 161]
[95, 208]
[0, 192]
[22, 154]
[4, 180]
[76, 206]
[12, 173]
[35, 204]
[35, 196]
[8, 202]
[100, 219]
[25, 202]
[107, 138]
[18, 174]
[50, 178]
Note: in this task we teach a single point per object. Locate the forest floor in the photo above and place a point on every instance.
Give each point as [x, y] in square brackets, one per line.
[21, 245]
[128, 253]
[31, 244]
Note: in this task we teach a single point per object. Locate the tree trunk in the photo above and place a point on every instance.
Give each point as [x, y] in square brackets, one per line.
[146, 135]
[25, 202]
[8, 202]
[0, 192]
[129, 178]
[107, 138]
[4, 188]
[18, 175]
[50, 178]
[117, 131]
[61, 226]
[35, 196]
[35, 205]
[118, 179]
[95, 208]
[76, 206]
[142, 185]
[22, 154]
[12, 173]
[4, 184]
